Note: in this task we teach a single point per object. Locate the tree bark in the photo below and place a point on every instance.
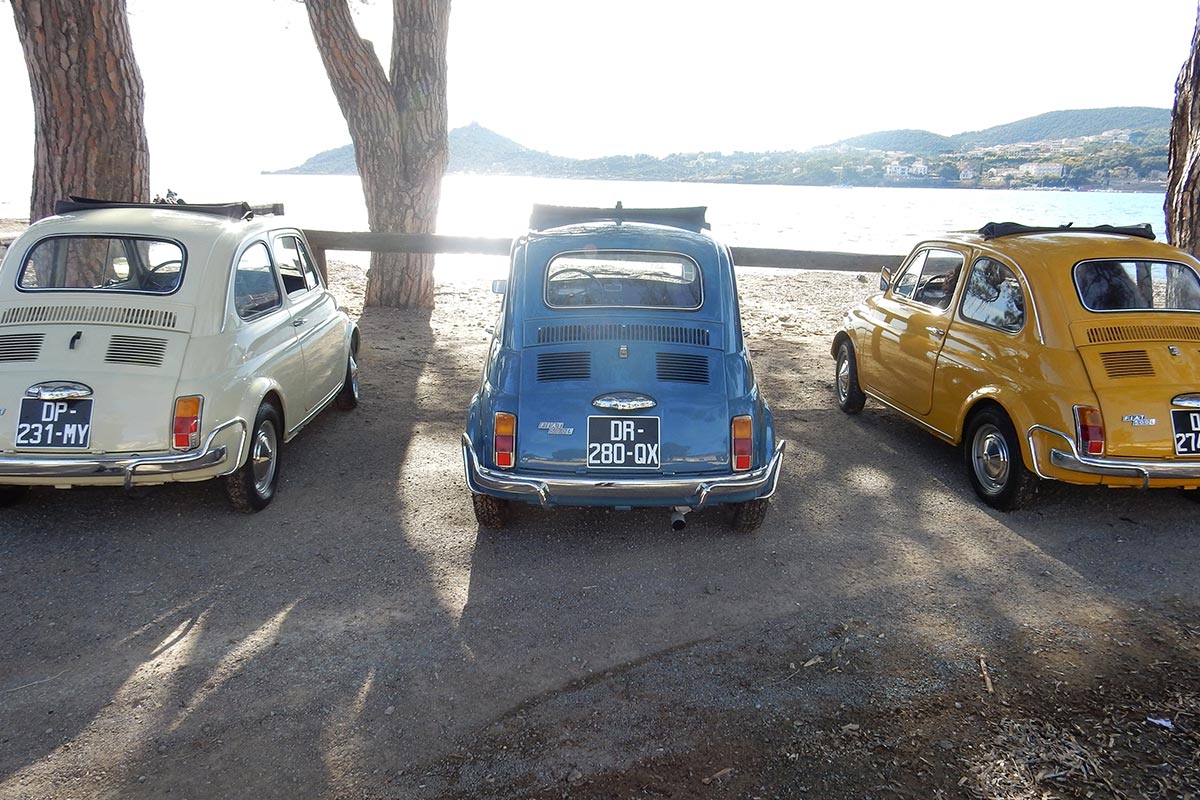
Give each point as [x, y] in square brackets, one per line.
[1183, 172]
[89, 135]
[397, 122]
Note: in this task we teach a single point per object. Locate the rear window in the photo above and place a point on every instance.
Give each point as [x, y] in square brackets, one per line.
[103, 263]
[1112, 285]
[623, 279]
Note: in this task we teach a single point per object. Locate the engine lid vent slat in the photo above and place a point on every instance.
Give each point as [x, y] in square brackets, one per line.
[1141, 333]
[1127, 364]
[21, 346]
[681, 367]
[104, 315]
[137, 350]
[564, 366]
[615, 331]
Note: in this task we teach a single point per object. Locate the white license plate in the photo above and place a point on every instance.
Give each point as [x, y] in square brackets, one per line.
[623, 442]
[1186, 427]
[55, 424]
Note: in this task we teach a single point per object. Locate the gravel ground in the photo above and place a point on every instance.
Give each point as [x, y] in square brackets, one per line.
[882, 635]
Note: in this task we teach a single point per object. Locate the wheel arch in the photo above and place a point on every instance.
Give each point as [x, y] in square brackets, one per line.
[1007, 405]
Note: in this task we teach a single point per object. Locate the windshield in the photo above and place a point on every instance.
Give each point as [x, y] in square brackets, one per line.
[1113, 285]
[103, 263]
[623, 279]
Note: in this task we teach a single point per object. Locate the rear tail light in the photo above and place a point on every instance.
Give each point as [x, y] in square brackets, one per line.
[743, 443]
[186, 426]
[504, 439]
[1090, 426]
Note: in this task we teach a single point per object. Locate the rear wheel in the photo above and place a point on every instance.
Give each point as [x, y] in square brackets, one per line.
[11, 495]
[252, 487]
[490, 512]
[850, 397]
[347, 398]
[748, 516]
[992, 454]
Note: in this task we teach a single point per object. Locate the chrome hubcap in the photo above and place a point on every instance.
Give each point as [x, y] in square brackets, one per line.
[990, 457]
[262, 457]
[843, 377]
[354, 375]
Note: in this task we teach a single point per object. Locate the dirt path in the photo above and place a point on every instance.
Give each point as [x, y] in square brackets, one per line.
[361, 638]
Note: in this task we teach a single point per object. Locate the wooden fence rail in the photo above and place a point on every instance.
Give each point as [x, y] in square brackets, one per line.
[324, 241]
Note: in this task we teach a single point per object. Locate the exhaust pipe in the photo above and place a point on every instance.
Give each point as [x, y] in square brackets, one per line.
[678, 522]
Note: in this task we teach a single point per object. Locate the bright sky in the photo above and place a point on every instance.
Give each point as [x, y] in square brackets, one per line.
[238, 85]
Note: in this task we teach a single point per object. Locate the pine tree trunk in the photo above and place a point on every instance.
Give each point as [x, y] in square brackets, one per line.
[89, 139]
[1183, 178]
[398, 125]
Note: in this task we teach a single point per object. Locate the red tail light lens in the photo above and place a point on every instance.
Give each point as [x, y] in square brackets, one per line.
[1090, 425]
[743, 443]
[505, 439]
[186, 426]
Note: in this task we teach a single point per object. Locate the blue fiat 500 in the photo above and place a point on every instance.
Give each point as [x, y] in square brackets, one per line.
[617, 375]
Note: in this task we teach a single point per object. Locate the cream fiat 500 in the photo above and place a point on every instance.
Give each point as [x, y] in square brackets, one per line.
[142, 343]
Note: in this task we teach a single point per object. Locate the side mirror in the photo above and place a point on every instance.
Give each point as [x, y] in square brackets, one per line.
[500, 286]
[885, 278]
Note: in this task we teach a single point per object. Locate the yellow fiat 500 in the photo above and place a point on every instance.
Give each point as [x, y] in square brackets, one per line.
[1068, 354]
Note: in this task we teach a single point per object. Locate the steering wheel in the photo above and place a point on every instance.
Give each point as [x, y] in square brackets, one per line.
[164, 264]
[589, 276]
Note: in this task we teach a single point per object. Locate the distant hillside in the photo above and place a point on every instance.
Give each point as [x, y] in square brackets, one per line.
[473, 148]
[1052, 125]
[908, 141]
[1138, 154]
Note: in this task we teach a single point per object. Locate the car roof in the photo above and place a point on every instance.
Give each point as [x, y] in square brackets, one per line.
[169, 221]
[1059, 246]
[620, 235]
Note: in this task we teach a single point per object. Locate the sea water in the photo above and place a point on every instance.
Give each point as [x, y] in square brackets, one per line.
[876, 220]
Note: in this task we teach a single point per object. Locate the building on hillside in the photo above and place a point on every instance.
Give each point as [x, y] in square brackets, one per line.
[1043, 169]
[918, 168]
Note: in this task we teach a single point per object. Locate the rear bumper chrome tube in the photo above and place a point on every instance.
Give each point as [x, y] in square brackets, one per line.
[1075, 461]
[546, 489]
[125, 467]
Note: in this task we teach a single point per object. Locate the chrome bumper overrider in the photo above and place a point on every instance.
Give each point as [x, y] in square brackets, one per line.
[124, 466]
[657, 486]
[1116, 467]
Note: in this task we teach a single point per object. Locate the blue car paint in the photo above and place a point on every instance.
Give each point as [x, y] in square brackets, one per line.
[695, 419]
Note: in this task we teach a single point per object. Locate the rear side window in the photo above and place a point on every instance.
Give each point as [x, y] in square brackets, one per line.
[295, 268]
[103, 263]
[624, 279]
[993, 297]
[1112, 285]
[254, 288]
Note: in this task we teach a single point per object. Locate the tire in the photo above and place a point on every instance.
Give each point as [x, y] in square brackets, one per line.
[11, 495]
[850, 397]
[252, 487]
[347, 398]
[995, 467]
[748, 516]
[490, 512]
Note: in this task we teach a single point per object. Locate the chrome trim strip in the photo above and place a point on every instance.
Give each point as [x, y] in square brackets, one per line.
[1189, 400]
[1117, 467]
[23, 466]
[624, 401]
[58, 390]
[480, 477]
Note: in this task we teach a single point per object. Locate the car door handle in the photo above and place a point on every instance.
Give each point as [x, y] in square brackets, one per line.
[936, 331]
[297, 323]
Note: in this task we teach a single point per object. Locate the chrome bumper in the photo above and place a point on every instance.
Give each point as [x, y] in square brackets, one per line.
[1075, 461]
[547, 488]
[125, 466]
